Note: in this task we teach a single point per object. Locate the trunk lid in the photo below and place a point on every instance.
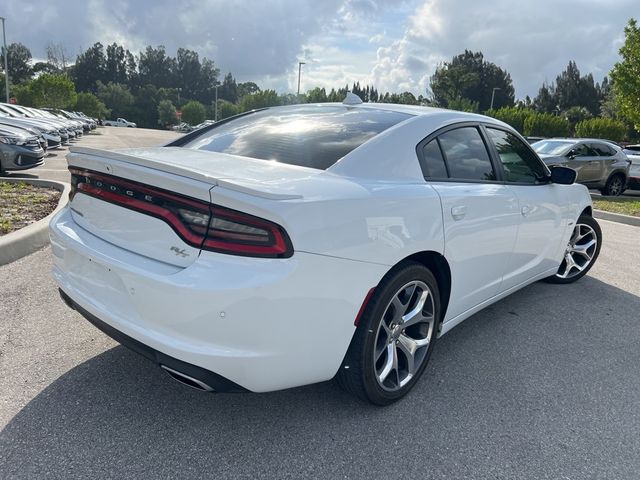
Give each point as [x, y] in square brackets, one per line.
[178, 174]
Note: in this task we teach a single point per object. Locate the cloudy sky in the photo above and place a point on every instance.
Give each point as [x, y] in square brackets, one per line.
[393, 44]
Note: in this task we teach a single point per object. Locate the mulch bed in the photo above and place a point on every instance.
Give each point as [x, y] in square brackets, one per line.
[22, 204]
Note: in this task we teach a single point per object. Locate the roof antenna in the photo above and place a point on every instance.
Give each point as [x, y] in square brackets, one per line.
[352, 99]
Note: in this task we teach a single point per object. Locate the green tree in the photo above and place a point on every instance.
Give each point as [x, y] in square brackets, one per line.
[573, 90]
[167, 113]
[90, 67]
[116, 97]
[626, 75]
[55, 91]
[91, 105]
[470, 76]
[18, 58]
[575, 115]
[145, 106]
[120, 65]
[193, 113]
[545, 101]
[229, 89]
[317, 95]
[464, 105]
[266, 98]
[155, 67]
[247, 88]
[604, 128]
[23, 94]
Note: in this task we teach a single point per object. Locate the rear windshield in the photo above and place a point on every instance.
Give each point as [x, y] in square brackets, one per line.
[551, 147]
[304, 135]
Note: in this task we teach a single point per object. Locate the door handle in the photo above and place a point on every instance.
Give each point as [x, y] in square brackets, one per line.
[525, 210]
[458, 212]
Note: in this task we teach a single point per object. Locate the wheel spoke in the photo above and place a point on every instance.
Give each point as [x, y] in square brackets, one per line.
[415, 315]
[390, 364]
[583, 249]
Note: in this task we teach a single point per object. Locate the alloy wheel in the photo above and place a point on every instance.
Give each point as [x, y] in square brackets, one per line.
[615, 188]
[580, 251]
[403, 336]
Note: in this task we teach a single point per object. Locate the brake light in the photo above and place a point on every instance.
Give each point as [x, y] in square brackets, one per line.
[199, 223]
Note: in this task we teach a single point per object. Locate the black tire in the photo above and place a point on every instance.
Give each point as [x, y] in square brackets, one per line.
[590, 222]
[614, 185]
[357, 374]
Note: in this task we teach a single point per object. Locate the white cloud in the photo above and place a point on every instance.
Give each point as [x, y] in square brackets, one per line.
[533, 41]
[394, 44]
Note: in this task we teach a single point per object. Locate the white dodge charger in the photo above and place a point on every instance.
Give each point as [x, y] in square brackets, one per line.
[291, 245]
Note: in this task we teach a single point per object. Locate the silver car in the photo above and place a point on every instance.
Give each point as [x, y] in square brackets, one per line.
[600, 164]
[633, 154]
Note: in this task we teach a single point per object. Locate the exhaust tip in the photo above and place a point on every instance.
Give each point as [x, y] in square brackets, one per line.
[187, 380]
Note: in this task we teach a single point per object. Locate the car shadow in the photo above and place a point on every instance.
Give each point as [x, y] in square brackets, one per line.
[530, 380]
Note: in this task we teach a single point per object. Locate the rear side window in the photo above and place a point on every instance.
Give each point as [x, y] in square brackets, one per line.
[304, 135]
[603, 150]
[433, 160]
[466, 155]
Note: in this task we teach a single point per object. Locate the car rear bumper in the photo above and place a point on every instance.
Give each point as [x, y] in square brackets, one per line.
[634, 183]
[204, 378]
[261, 324]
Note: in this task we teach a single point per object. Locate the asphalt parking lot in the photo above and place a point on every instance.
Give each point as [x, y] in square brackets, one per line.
[544, 384]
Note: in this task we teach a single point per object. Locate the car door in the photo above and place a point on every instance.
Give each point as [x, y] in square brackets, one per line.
[606, 157]
[480, 214]
[543, 215]
[585, 161]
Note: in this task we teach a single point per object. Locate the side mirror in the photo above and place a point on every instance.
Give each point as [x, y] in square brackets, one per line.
[563, 175]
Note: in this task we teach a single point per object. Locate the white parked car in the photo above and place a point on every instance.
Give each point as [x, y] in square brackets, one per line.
[119, 122]
[290, 245]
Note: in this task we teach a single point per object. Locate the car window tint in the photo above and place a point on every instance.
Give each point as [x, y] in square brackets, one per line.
[583, 150]
[519, 163]
[603, 150]
[466, 154]
[433, 160]
[304, 135]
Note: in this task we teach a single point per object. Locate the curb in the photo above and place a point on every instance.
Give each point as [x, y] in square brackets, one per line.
[617, 217]
[33, 237]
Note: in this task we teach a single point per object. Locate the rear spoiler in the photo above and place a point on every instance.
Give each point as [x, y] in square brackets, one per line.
[94, 156]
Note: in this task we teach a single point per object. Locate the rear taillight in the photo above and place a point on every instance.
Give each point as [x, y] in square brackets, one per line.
[198, 223]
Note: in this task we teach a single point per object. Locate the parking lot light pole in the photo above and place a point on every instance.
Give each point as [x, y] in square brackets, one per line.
[299, 71]
[215, 114]
[493, 94]
[6, 68]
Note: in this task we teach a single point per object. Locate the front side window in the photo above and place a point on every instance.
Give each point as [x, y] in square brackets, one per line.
[519, 163]
[466, 155]
[582, 150]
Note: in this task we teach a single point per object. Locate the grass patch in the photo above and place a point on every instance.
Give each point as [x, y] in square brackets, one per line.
[626, 206]
[22, 204]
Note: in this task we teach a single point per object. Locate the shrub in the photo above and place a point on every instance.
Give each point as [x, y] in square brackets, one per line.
[193, 113]
[546, 125]
[605, 128]
[91, 105]
[167, 113]
[512, 115]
